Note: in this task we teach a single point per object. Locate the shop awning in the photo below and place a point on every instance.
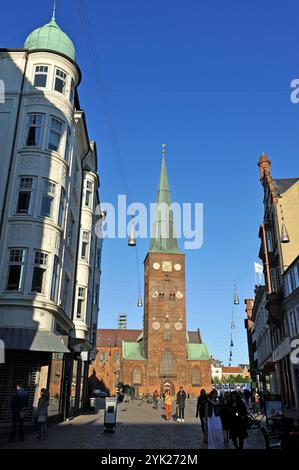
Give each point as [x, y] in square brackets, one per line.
[32, 340]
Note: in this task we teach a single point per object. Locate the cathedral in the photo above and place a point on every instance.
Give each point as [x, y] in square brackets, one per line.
[164, 351]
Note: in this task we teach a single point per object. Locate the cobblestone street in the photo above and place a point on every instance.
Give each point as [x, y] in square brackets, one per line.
[139, 426]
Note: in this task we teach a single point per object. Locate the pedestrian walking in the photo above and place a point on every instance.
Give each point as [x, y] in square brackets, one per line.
[237, 419]
[156, 397]
[224, 410]
[168, 404]
[247, 396]
[257, 400]
[42, 414]
[215, 432]
[18, 407]
[181, 401]
[201, 413]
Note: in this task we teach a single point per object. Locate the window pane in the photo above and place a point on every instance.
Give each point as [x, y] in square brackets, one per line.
[23, 202]
[40, 80]
[80, 309]
[84, 250]
[26, 183]
[14, 277]
[17, 256]
[54, 279]
[72, 91]
[54, 141]
[35, 119]
[47, 206]
[87, 198]
[59, 85]
[61, 208]
[67, 146]
[41, 258]
[34, 135]
[38, 280]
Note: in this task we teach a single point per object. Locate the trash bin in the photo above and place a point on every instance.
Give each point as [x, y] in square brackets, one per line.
[110, 414]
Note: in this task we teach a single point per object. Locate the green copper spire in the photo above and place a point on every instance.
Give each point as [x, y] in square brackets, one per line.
[163, 238]
[51, 37]
[54, 11]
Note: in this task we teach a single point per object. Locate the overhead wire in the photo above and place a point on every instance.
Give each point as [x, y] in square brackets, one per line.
[103, 97]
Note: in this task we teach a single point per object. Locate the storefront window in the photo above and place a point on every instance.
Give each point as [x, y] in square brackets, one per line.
[55, 383]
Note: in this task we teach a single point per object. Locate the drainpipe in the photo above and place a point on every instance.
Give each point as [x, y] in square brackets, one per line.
[13, 146]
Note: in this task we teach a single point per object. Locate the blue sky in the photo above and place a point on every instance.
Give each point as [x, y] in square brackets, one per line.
[211, 79]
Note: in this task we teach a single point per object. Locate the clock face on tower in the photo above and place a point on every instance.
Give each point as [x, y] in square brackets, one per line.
[167, 266]
[156, 325]
[154, 293]
[179, 295]
[177, 267]
[156, 266]
[178, 326]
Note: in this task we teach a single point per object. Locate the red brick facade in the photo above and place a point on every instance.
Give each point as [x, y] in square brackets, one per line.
[164, 343]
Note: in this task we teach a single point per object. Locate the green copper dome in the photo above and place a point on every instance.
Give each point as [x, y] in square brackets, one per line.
[51, 37]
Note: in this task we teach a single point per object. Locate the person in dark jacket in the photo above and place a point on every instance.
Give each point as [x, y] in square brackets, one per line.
[180, 400]
[224, 407]
[237, 413]
[18, 407]
[201, 412]
[42, 414]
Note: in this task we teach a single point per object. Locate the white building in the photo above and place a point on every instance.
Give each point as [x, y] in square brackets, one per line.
[216, 370]
[49, 253]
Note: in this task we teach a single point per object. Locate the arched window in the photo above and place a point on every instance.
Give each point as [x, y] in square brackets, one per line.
[172, 296]
[195, 376]
[161, 296]
[102, 358]
[136, 376]
[167, 365]
[116, 356]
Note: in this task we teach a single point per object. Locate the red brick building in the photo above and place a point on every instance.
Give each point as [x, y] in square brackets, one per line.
[164, 351]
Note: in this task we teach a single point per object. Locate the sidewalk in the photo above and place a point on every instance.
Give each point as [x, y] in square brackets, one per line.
[67, 435]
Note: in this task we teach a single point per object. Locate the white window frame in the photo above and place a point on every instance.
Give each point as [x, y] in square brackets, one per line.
[17, 261]
[54, 279]
[50, 193]
[62, 208]
[85, 240]
[81, 296]
[55, 130]
[23, 189]
[89, 191]
[60, 74]
[40, 261]
[41, 72]
[35, 125]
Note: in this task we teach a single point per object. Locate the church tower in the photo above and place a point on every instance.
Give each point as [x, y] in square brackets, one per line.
[164, 352]
[165, 342]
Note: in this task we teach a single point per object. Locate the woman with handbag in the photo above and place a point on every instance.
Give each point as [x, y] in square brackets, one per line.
[42, 413]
